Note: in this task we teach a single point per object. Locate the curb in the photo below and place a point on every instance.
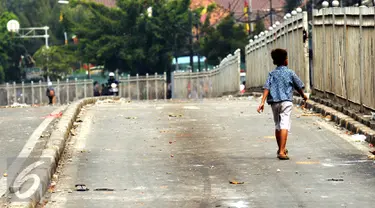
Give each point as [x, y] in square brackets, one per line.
[52, 153]
[339, 118]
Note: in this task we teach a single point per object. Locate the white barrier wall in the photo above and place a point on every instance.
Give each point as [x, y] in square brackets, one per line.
[225, 78]
[344, 54]
[288, 35]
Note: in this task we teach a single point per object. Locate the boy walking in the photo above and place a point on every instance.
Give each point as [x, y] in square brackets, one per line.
[278, 90]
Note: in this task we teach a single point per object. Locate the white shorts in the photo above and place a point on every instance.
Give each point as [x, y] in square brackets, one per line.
[281, 114]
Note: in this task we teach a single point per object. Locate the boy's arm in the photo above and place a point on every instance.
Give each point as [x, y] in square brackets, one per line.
[266, 91]
[299, 86]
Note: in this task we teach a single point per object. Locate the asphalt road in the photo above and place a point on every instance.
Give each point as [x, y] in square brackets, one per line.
[155, 160]
[16, 126]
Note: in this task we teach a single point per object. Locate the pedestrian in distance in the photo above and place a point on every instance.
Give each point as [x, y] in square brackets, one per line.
[50, 93]
[278, 90]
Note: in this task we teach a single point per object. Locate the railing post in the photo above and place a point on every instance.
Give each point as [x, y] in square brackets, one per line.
[40, 93]
[58, 101]
[345, 60]
[156, 85]
[147, 97]
[23, 92]
[67, 91]
[8, 94]
[76, 88]
[138, 91]
[333, 60]
[14, 92]
[306, 53]
[361, 68]
[129, 94]
[324, 52]
[32, 93]
[165, 85]
[84, 89]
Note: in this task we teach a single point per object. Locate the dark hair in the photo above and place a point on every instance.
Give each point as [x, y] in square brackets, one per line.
[279, 56]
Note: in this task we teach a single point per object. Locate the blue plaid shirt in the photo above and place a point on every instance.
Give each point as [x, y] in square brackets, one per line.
[280, 83]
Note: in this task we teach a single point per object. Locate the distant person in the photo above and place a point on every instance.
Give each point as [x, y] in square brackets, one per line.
[278, 90]
[96, 89]
[50, 93]
[112, 84]
[169, 93]
[103, 90]
[242, 88]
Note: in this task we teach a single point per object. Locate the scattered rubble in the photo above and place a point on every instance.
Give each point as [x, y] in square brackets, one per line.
[236, 182]
[359, 137]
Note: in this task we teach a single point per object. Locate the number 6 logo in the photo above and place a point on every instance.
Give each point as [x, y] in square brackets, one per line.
[23, 177]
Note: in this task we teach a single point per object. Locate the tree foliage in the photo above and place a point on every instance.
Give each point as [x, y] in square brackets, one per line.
[126, 38]
[10, 49]
[56, 61]
[218, 42]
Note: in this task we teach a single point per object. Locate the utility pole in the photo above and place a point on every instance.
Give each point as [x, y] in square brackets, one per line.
[191, 40]
[249, 6]
[199, 57]
[271, 11]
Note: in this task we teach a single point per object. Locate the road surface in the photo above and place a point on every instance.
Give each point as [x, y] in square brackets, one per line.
[150, 158]
[16, 126]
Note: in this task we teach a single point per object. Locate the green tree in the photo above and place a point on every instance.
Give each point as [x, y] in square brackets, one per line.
[259, 25]
[10, 50]
[290, 5]
[56, 61]
[126, 38]
[224, 39]
[39, 13]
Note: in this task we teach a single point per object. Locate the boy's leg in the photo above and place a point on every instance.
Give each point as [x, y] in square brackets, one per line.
[286, 110]
[278, 137]
[276, 117]
[283, 139]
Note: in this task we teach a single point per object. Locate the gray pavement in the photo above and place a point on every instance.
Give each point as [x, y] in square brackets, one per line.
[156, 160]
[16, 126]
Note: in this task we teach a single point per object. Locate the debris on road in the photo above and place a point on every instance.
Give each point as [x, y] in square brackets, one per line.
[359, 137]
[335, 179]
[172, 155]
[81, 187]
[236, 182]
[372, 152]
[73, 132]
[104, 189]
[371, 157]
[328, 118]
[174, 116]
[19, 105]
[105, 101]
[278, 170]
[56, 115]
[131, 118]
[5, 174]
[311, 114]
[51, 188]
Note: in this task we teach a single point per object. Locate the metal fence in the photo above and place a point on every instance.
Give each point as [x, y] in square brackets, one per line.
[288, 35]
[35, 93]
[344, 55]
[144, 87]
[224, 78]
